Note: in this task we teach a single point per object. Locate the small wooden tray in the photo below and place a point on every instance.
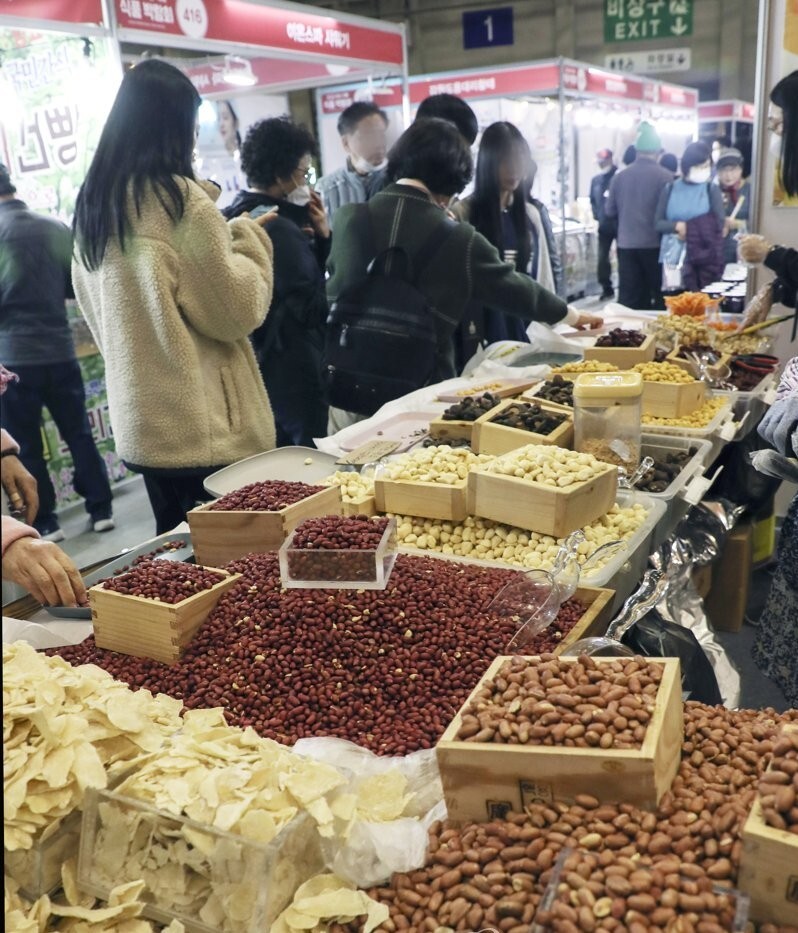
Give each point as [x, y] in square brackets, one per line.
[497, 439]
[501, 388]
[485, 781]
[672, 399]
[598, 613]
[219, 537]
[624, 357]
[445, 430]
[548, 510]
[365, 506]
[146, 628]
[425, 500]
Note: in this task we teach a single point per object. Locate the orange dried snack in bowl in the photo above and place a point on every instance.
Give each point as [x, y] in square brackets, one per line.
[690, 304]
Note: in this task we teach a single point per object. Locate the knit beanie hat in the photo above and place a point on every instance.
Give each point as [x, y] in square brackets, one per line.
[6, 185]
[647, 138]
[695, 154]
[729, 157]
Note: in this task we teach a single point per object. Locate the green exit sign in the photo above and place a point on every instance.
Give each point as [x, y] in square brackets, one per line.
[636, 20]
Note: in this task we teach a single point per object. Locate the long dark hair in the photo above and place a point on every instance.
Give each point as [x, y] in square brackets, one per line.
[147, 139]
[785, 95]
[501, 141]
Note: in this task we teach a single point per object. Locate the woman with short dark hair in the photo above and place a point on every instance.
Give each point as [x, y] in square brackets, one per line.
[276, 158]
[431, 163]
[171, 294]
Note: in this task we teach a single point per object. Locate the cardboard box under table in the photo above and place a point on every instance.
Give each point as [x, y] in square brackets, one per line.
[497, 439]
[548, 510]
[147, 628]
[486, 780]
[221, 536]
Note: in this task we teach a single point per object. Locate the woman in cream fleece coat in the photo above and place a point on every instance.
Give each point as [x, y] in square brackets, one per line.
[171, 293]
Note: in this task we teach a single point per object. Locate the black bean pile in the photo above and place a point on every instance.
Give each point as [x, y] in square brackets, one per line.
[528, 416]
[471, 407]
[664, 471]
[557, 390]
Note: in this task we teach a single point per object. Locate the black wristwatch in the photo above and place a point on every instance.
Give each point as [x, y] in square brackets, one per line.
[9, 453]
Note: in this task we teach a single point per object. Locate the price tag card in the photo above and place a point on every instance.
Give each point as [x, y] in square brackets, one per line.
[369, 452]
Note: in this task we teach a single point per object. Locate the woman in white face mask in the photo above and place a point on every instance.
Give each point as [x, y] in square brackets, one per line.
[690, 215]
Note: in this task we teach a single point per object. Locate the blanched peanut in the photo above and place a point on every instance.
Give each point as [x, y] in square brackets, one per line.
[354, 487]
[663, 372]
[696, 419]
[446, 465]
[586, 366]
[551, 466]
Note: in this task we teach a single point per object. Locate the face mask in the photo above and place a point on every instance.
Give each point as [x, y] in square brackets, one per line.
[300, 195]
[775, 145]
[605, 168]
[364, 167]
[700, 175]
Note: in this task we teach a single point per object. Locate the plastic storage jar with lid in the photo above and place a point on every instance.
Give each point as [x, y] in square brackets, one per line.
[608, 416]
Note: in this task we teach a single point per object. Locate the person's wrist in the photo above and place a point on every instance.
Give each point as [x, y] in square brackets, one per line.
[9, 453]
[572, 315]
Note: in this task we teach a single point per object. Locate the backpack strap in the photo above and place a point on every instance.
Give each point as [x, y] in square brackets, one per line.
[430, 247]
[420, 260]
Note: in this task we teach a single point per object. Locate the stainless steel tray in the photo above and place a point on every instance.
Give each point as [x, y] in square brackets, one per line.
[282, 463]
[124, 560]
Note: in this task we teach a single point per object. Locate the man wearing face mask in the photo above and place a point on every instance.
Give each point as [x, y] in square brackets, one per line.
[363, 130]
[607, 226]
[276, 158]
[691, 216]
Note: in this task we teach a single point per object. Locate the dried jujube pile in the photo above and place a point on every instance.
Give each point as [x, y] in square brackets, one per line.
[164, 581]
[618, 337]
[269, 496]
[387, 669]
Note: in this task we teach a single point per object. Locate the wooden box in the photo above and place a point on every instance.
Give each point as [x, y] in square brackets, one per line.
[365, 506]
[425, 500]
[672, 399]
[533, 506]
[598, 613]
[624, 357]
[769, 870]
[146, 628]
[219, 537]
[485, 781]
[497, 439]
[687, 366]
[444, 430]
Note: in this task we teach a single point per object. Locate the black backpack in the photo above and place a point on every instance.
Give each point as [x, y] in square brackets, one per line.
[381, 337]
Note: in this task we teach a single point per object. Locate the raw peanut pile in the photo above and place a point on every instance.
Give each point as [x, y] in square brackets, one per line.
[551, 466]
[586, 366]
[354, 487]
[778, 788]
[444, 464]
[164, 581]
[546, 641]
[483, 539]
[494, 874]
[269, 496]
[165, 548]
[663, 372]
[699, 418]
[558, 701]
[594, 888]
[358, 533]
[387, 669]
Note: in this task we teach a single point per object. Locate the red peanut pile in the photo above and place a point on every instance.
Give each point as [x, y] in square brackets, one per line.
[387, 669]
[555, 701]
[778, 788]
[164, 581]
[494, 874]
[269, 496]
[358, 533]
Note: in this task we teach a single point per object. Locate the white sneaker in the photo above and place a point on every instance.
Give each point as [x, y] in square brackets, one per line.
[57, 535]
[103, 524]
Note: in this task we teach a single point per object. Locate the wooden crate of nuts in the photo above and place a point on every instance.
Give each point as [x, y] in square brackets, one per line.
[495, 439]
[357, 492]
[543, 489]
[624, 356]
[489, 766]
[221, 532]
[430, 483]
[160, 625]
[457, 422]
[669, 391]
[769, 861]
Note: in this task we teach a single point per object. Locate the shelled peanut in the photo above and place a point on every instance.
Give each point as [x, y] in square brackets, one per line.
[446, 465]
[164, 581]
[268, 496]
[685, 329]
[778, 789]
[558, 701]
[484, 539]
[551, 466]
[699, 418]
[593, 892]
[663, 372]
[354, 487]
[586, 366]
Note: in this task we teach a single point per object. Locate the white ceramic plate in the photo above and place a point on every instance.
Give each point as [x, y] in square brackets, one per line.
[298, 464]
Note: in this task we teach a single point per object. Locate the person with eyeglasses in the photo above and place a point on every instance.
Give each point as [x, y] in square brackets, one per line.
[276, 159]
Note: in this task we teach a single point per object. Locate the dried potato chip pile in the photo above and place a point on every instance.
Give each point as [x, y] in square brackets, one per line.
[324, 899]
[66, 729]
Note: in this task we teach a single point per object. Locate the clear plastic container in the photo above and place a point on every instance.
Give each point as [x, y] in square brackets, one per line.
[212, 881]
[607, 416]
[349, 569]
[37, 870]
